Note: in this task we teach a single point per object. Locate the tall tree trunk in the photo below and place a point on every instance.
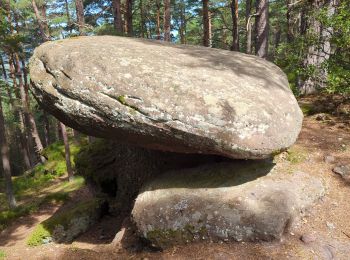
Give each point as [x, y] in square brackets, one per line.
[129, 18]
[183, 22]
[207, 41]
[23, 89]
[44, 19]
[319, 52]
[167, 21]
[20, 133]
[142, 20]
[248, 11]
[79, 6]
[58, 131]
[44, 34]
[46, 128]
[158, 19]
[262, 28]
[24, 129]
[5, 157]
[117, 14]
[69, 22]
[290, 35]
[67, 151]
[235, 31]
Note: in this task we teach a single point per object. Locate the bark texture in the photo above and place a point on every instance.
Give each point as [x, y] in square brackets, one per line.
[129, 18]
[117, 22]
[235, 31]
[67, 151]
[262, 28]
[167, 21]
[207, 40]
[79, 6]
[319, 53]
[5, 158]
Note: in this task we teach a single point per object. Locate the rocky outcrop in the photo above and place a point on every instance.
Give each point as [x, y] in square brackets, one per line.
[170, 97]
[241, 201]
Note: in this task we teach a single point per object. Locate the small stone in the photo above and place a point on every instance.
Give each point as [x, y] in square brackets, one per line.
[330, 225]
[343, 171]
[329, 159]
[308, 238]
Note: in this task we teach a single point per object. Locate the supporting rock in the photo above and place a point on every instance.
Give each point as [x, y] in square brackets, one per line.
[242, 201]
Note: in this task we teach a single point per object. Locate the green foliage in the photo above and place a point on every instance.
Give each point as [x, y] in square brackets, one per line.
[42, 176]
[61, 195]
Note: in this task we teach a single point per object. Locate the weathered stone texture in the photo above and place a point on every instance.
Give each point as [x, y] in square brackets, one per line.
[170, 97]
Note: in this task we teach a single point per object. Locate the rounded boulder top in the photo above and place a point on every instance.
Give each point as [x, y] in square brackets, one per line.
[158, 95]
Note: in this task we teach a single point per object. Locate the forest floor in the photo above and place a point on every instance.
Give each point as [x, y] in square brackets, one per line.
[324, 233]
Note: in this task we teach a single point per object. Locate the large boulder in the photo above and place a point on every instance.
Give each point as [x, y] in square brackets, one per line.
[164, 96]
[241, 201]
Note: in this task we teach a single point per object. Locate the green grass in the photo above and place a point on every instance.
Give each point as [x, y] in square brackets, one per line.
[296, 155]
[59, 193]
[2, 254]
[28, 186]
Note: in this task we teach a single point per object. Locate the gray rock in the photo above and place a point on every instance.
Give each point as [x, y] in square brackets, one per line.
[308, 238]
[343, 171]
[170, 97]
[329, 159]
[223, 201]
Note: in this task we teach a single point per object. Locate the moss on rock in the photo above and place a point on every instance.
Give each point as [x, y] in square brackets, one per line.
[67, 225]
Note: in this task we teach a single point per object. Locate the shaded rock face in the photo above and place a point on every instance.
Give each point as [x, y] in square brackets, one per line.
[170, 97]
[242, 201]
[119, 170]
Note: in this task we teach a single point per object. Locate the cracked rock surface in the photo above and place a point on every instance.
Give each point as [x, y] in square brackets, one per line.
[169, 97]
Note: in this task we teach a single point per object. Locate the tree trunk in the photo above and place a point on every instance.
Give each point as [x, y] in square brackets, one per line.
[23, 132]
[262, 28]
[183, 22]
[118, 22]
[76, 135]
[319, 52]
[207, 41]
[79, 6]
[67, 151]
[129, 18]
[158, 20]
[235, 31]
[69, 22]
[5, 157]
[46, 128]
[91, 139]
[167, 21]
[290, 35]
[20, 133]
[142, 20]
[248, 11]
[44, 19]
[58, 131]
[23, 89]
[44, 34]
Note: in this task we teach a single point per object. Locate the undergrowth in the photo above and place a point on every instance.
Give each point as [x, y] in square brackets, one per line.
[27, 188]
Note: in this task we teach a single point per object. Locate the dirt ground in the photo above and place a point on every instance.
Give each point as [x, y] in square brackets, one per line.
[325, 228]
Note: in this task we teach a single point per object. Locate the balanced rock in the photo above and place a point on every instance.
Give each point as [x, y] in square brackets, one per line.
[241, 201]
[164, 96]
